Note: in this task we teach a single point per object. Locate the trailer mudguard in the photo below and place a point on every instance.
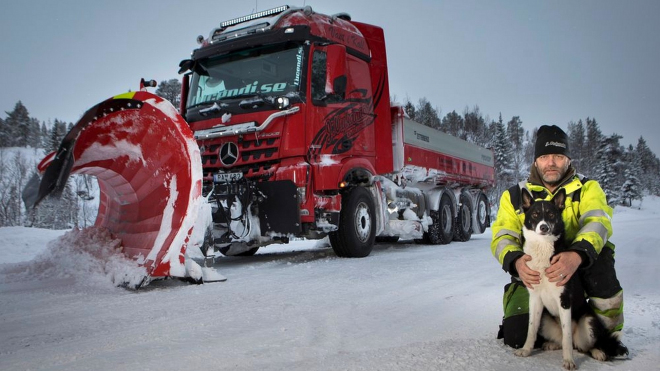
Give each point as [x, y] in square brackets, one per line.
[148, 167]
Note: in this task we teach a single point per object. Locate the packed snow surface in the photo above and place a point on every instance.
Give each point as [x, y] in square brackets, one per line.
[293, 307]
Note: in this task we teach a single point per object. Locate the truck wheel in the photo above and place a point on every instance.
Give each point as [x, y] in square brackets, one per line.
[464, 220]
[441, 231]
[483, 213]
[355, 235]
[226, 252]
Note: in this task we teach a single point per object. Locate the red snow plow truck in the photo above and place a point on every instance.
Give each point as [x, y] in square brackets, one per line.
[285, 129]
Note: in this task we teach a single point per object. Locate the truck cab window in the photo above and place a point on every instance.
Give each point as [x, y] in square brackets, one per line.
[318, 75]
[319, 78]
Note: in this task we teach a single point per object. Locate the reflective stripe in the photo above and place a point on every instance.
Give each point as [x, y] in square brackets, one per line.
[501, 246]
[601, 304]
[507, 232]
[593, 213]
[597, 228]
[610, 311]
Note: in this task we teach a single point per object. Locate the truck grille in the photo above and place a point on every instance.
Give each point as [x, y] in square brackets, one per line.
[256, 158]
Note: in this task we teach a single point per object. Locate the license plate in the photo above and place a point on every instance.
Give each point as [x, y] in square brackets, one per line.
[227, 177]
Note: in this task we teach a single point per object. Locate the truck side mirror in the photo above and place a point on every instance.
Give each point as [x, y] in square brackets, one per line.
[186, 65]
[336, 79]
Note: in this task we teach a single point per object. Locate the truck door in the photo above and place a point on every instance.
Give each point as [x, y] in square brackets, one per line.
[341, 115]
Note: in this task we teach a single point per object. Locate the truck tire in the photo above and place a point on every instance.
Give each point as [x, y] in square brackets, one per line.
[482, 209]
[441, 231]
[225, 251]
[463, 230]
[355, 235]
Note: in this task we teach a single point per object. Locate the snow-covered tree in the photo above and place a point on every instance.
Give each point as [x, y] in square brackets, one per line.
[631, 189]
[475, 127]
[452, 123]
[592, 145]
[608, 168]
[516, 133]
[16, 128]
[427, 114]
[13, 177]
[170, 90]
[34, 133]
[528, 148]
[409, 109]
[4, 135]
[502, 150]
[44, 135]
[576, 143]
[57, 133]
[650, 175]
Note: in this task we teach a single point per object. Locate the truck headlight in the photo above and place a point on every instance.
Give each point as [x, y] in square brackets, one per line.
[282, 102]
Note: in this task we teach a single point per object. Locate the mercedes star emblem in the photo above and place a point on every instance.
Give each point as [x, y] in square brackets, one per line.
[228, 154]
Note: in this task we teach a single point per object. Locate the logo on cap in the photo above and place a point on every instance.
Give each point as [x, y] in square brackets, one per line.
[556, 144]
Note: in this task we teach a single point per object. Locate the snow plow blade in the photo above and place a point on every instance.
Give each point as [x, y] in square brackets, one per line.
[149, 171]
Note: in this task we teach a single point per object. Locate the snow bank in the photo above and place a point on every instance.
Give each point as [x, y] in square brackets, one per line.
[90, 256]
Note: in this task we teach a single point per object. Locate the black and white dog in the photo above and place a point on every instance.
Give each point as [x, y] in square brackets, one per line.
[567, 321]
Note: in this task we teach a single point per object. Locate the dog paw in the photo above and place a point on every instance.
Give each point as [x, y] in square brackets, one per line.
[523, 352]
[551, 345]
[598, 354]
[569, 364]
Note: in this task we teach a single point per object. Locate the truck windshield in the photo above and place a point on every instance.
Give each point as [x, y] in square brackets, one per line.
[265, 71]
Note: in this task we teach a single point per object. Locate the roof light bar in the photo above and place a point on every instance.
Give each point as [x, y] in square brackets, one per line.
[250, 17]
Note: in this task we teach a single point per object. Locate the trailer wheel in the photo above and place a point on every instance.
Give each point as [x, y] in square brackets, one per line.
[464, 220]
[226, 251]
[355, 235]
[483, 213]
[441, 231]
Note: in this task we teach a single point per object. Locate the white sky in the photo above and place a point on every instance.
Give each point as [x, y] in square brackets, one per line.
[549, 62]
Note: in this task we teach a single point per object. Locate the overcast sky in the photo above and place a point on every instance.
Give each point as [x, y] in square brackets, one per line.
[549, 62]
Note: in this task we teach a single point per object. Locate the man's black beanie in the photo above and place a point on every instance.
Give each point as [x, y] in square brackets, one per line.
[551, 140]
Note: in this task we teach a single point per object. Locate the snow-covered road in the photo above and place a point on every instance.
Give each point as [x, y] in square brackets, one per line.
[299, 307]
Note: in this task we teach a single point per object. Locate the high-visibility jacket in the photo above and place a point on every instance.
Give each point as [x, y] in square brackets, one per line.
[587, 218]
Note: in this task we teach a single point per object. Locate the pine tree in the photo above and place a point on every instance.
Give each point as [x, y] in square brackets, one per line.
[426, 114]
[593, 142]
[44, 135]
[576, 143]
[504, 171]
[409, 109]
[170, 90]
[631, 188]
[4, 135]
[34, 137]
[516, 134]
[608, 167]
[650, 175]
[57, 133]
[17, 127]
[475, 127]
[452, 123]
[530, 141]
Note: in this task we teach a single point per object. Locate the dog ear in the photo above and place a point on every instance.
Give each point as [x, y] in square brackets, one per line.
[559, 199]
[527, 200]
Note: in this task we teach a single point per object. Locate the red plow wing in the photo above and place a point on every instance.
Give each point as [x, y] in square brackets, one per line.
[148, 167]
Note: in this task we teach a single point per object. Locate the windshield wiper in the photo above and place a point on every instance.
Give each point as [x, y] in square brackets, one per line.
[258, 100]
[215, 108]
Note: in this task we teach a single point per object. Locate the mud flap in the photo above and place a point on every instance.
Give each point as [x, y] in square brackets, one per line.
[148, 167]
[279, 211]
